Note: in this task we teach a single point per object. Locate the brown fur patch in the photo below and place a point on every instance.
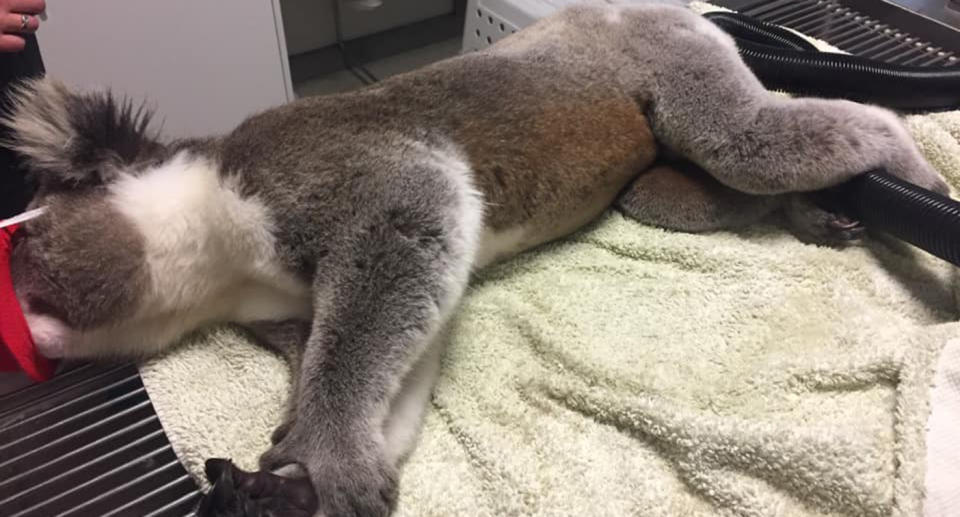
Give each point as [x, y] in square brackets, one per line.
[576, 153]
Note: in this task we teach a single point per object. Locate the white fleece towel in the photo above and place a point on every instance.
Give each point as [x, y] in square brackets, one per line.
[943, 445]
[630, 370]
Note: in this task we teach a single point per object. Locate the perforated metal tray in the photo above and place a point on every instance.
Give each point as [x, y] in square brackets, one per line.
[871, 28]
[88, 443]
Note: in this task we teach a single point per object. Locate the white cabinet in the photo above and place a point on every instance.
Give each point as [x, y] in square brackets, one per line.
[203, 64]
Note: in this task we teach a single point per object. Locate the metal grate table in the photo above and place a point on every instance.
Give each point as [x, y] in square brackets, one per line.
[88, 442]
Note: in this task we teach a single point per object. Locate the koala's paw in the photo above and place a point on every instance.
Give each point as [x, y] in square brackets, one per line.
[237, 493]
[349, 480]
[818, 225]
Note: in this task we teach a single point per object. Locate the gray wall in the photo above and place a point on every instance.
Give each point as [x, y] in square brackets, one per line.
[204, 65]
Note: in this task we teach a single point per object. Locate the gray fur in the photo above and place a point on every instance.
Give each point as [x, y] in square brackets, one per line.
[368, 208]
[680, 196]
[382, 295]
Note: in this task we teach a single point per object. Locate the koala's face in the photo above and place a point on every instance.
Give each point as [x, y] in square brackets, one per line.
[79, 272]
[79, 269]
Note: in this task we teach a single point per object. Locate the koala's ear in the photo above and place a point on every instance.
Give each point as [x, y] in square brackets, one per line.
[68, 137]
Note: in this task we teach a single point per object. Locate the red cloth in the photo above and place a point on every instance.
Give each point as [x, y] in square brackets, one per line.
[17, 351]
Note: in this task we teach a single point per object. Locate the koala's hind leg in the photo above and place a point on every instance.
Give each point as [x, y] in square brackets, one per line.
[706, 104]
[681, 196]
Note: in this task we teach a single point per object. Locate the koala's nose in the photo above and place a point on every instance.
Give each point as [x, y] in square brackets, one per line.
[49, 334]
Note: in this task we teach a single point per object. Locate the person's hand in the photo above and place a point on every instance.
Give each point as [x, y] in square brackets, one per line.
[18, 17]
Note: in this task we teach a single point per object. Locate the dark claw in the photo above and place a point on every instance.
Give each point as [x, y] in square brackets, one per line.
[841, 222]
[215, 468]
[846, 229]
[238, 493]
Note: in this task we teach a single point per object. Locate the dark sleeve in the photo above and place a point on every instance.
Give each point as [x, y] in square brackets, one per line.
[14, 191]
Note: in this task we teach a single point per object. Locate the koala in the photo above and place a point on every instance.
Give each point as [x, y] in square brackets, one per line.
[342, 230]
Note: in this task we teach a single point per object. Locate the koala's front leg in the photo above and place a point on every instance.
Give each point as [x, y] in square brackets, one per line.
[289, 338]
[378, 306]
[377, 311]
[678, 195]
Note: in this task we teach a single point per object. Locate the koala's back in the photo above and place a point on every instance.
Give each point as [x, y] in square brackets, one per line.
[548, 136]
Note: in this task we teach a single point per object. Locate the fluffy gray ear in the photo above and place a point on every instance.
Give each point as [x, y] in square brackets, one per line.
[76, 138]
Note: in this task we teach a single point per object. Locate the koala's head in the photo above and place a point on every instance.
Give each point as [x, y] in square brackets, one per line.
[79, 269]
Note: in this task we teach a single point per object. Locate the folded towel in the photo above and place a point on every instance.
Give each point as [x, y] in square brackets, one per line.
[629, 370]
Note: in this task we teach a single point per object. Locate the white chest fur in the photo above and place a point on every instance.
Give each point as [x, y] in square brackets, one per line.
[209, 251]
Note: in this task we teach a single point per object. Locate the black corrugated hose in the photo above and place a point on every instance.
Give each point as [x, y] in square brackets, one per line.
[923, 218]
[784, 61]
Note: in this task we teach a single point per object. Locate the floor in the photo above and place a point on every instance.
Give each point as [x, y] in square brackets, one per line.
[344, 80]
